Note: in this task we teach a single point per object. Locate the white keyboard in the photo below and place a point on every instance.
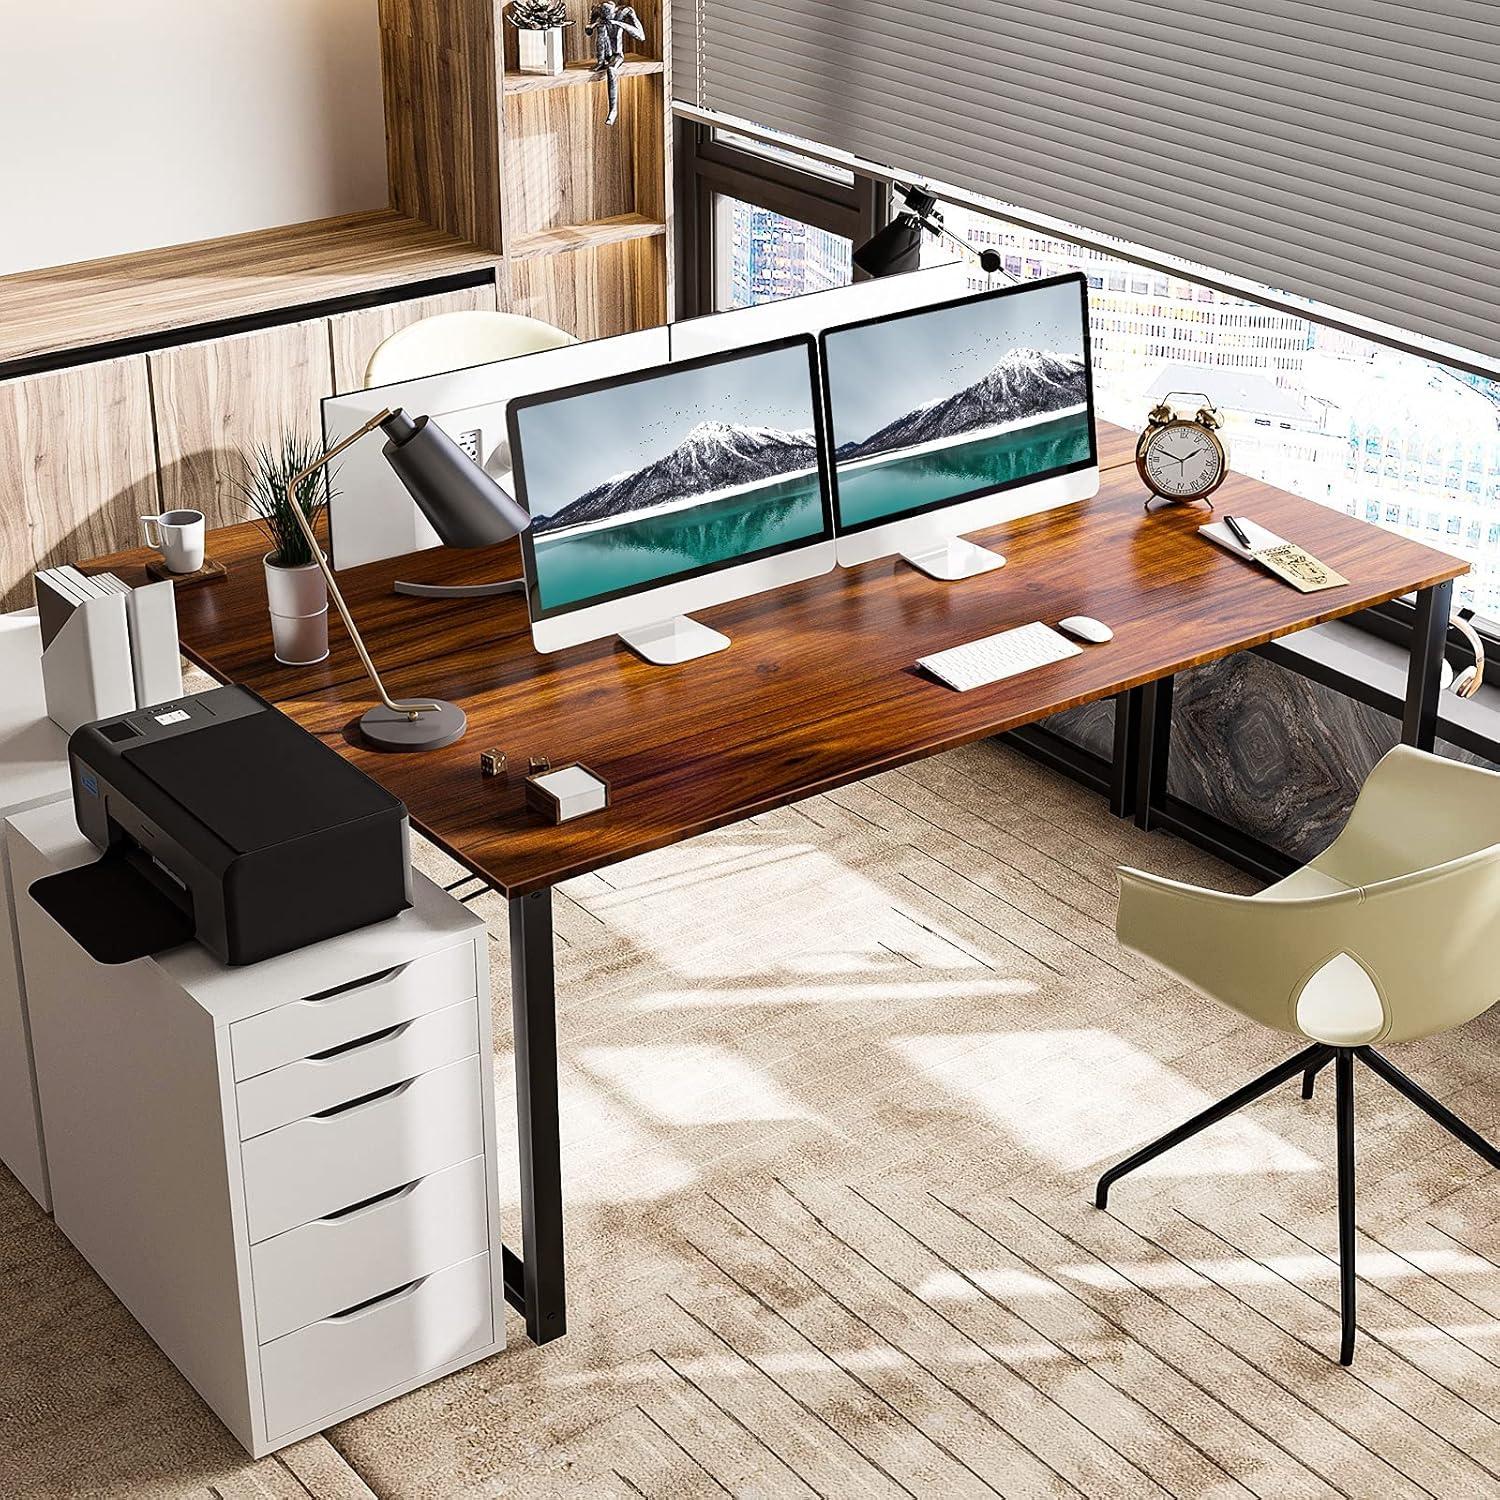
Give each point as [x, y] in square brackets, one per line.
[978, 663]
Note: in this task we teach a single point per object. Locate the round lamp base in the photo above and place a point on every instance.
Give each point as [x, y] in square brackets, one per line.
[386, 730]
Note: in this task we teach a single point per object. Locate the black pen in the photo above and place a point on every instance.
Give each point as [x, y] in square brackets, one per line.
[1239, 533]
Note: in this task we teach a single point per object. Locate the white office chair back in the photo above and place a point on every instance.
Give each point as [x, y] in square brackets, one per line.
[457, 340]
[1390, 933]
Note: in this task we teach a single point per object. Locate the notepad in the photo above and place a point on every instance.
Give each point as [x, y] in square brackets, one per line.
[1286, 560]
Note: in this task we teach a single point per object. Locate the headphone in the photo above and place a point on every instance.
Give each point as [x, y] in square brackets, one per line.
[1466, 682]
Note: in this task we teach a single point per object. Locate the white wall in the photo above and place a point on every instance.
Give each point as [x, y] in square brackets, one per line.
[128, 124]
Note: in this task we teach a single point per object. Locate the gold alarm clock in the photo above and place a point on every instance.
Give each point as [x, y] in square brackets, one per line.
[1182, 459]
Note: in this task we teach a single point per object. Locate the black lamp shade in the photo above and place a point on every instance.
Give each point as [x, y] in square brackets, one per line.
[465, 506]
[893, 250]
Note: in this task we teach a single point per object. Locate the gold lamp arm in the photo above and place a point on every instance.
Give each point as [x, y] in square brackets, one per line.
[411, 710]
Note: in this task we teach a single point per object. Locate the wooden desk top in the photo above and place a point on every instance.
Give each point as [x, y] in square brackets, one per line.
[819, 687]
[127, 296]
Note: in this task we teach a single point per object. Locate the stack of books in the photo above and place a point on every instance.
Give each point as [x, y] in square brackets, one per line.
[106, 647]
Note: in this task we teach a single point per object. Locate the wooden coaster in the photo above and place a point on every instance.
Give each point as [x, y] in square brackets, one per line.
[210, 572]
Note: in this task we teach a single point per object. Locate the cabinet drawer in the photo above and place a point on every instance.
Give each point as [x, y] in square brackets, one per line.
[324, 1163]
[332, 1263]
[349, 1358]
[358, 1068]
[291, 1032]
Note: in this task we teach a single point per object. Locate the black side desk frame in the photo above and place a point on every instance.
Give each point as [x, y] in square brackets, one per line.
[1151, 806]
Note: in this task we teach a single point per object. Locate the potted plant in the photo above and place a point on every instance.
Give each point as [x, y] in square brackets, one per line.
[539, 33]
[295, 588]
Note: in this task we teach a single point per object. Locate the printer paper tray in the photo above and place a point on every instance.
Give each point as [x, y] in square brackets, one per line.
[113, 911]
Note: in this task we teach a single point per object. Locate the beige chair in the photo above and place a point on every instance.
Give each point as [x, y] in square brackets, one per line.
[456, 340]
[1388, 935]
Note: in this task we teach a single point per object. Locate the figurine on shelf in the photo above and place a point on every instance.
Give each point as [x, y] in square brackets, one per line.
[609, 25]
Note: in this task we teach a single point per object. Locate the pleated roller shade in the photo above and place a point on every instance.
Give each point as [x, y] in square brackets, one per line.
[1347, 151]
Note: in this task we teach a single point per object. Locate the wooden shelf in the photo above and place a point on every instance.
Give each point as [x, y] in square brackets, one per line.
[609, 231]
[156, 291]
[576, 74]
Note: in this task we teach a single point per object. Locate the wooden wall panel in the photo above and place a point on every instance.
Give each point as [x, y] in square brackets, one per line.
[357, 335]
[564, 165]
[213, 401]
[77, 467]
[594, 293]
[442, 113]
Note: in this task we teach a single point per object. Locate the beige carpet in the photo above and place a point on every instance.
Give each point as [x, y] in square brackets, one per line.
[836, 1085]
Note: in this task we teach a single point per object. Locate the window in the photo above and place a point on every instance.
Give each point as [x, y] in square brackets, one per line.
[762, 256]
[1302, 402]
[761, 221]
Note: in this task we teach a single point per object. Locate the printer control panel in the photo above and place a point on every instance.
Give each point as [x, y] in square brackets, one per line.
[163, 720]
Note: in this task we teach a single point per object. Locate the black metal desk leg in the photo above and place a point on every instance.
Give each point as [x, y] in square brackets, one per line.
[1424, 677]
[1122, 771]
[541, 1293]
[1154, 748]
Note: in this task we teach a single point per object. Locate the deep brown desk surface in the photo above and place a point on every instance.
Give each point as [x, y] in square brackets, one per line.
[818, 688]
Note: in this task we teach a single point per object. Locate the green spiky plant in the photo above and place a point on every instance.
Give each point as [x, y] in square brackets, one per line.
[269, 471]
[538, 15]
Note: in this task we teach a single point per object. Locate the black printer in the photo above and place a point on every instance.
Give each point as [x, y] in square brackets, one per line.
[223, 820]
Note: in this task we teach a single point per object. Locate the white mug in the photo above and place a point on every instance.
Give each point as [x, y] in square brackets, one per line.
[178, 537]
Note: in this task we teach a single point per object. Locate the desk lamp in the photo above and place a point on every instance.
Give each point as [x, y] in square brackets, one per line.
[898, 247]
[466, 508]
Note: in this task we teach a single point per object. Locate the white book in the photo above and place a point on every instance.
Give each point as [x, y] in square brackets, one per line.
[151, 613]
[86, 667]
[88, 587]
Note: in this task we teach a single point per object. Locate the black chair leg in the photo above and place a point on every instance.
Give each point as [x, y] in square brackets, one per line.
[1310, 1077]
[1343, 1073]
[1424, 1101]
[1311, 1057]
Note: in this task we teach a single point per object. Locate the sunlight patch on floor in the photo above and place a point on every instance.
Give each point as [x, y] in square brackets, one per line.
[1078, 1099]
[995, 1281]
[854, 991]
[686, 1083]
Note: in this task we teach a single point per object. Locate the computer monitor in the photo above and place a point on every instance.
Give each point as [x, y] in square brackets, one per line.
[950, 418]
[669, 490]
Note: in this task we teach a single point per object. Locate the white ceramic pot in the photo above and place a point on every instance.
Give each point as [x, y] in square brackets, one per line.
[542, 51]
[299, 613]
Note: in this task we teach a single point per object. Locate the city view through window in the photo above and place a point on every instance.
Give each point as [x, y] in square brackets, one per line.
[1389, 437]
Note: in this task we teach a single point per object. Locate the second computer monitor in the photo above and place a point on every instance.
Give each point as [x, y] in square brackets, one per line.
[951, 418]
[668, 491]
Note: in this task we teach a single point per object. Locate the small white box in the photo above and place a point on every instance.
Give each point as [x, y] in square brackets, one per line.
[568, 792]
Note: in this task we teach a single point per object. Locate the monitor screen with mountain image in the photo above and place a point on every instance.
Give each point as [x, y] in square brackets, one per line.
[950, 418]
[669, 490]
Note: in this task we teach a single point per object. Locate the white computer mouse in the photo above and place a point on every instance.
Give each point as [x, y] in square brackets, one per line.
[1087, 628]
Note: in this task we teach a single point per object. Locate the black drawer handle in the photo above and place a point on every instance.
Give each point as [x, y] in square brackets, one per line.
[372, 1302]
[367, 981]
[389, 1092]
[389, 1196]
[358, 1042]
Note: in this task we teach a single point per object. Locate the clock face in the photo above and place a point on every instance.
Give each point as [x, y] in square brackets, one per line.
[1183, 460]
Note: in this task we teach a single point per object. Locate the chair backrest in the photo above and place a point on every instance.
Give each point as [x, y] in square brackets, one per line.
[1412, 895]
[457, 340]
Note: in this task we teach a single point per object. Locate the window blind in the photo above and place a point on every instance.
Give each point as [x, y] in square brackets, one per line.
[1341, 150]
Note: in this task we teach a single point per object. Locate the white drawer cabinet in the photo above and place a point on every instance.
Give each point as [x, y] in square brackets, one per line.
[286, 1172]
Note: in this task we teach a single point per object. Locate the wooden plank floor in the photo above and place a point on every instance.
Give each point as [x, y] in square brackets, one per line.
[837, 1083]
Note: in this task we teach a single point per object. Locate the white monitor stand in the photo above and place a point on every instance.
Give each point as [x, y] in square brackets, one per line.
[668, 643]
[954, 559]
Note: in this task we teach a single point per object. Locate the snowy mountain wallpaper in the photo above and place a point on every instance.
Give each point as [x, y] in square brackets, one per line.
[957, 401]
[689, 469]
